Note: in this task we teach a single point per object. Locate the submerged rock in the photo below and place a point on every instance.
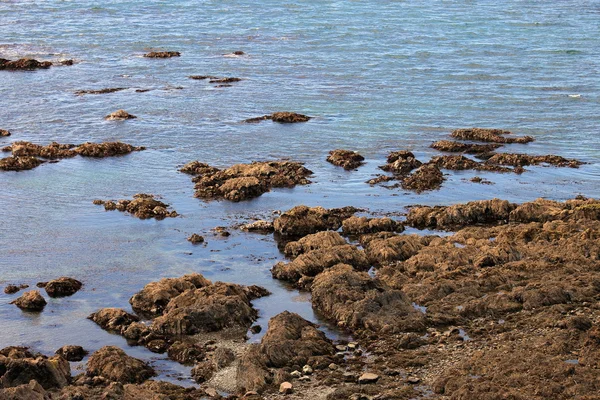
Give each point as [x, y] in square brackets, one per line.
[302, 220]
[72, 353]
[195, 239]
[26, 64]
[113, 319]
[119, 115]
[4, 133]
[245, 181]
[460, 163]
[142, 206]
[345, 158]
[162, 54]
[30, 301]
[258, 226]
[426, 177]
[115, 365]
[52, 151]
[459, 147]
[12, 289]
[489, 135]
[281, 117]
[62, 287]
[99, 91]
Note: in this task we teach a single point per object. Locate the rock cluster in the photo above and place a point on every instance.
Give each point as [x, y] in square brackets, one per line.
[346, 159]
[162, 54]
[245, 181]
[23, 64]
[143, 206]
[284, 117]
[25, 154]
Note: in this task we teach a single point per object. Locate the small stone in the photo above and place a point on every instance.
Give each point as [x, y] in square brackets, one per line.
[304, 378]
[352, 345]
[349, 377]
[11, 289]
[211, 392]
[4, 133]
[255, 329]
[307, 370]
[368, 377]
[286, 388]
[341, 347]
[413, 380]
[296, 374]
[333, 366]
[195, 239]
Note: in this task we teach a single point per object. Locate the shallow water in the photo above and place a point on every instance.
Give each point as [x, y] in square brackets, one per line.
[377, 78]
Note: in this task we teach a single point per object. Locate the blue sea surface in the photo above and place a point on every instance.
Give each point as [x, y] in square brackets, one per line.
[377, 77]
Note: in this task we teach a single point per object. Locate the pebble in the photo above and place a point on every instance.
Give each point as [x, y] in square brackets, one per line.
[333, 366]
[296, 374]
[286, 388]
[307, 370]
[368, 377]
[413, 380]
[341, 347]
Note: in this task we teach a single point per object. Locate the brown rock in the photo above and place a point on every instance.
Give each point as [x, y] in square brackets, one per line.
[62, 287]
[113, 364]
[24, 64]
[155, 296]
[521, 160]
[107, 149]
[246, 181]
[315, 241]
[315, 262]
[475, 212]
[4, 133]
[223, 357]
[113, 319]
[401, 162]
[119, 115]
[208, 309]
[460, 163]
[385, 248]
[258, 226]
[19, 163]
[186, 353]
[368, 377]
[357, 302]
[100, 91]
[203, 371]
[162, 54]
[345, 158]
[52, 151]
[142, 206]
[459, 147]
[489, 135]
[30, 301]
[286, 388]
[355, 226]
[426, 177]
[72, 353]
[30, 391]
[281, 117]
[53, 372]
[12, 289]
[195, 239]
[302, 220]
[224, 80]
[198, 168]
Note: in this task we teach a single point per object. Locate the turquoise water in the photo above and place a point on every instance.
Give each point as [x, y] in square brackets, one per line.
[377, 76]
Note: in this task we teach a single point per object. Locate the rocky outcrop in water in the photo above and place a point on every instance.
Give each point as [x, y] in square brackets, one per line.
[521, 160]
[30, 301]
[489, 135]
[355, 226]
[99, 91]
[162, 54]
[459, 147]
[18, 366]
[4, 133]
[281, 117]
[245, 181]
[23, 64]
[346, 159]
[143, 206]
[63, 286]
[72, 353]
[119, 115]
[426, 177]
